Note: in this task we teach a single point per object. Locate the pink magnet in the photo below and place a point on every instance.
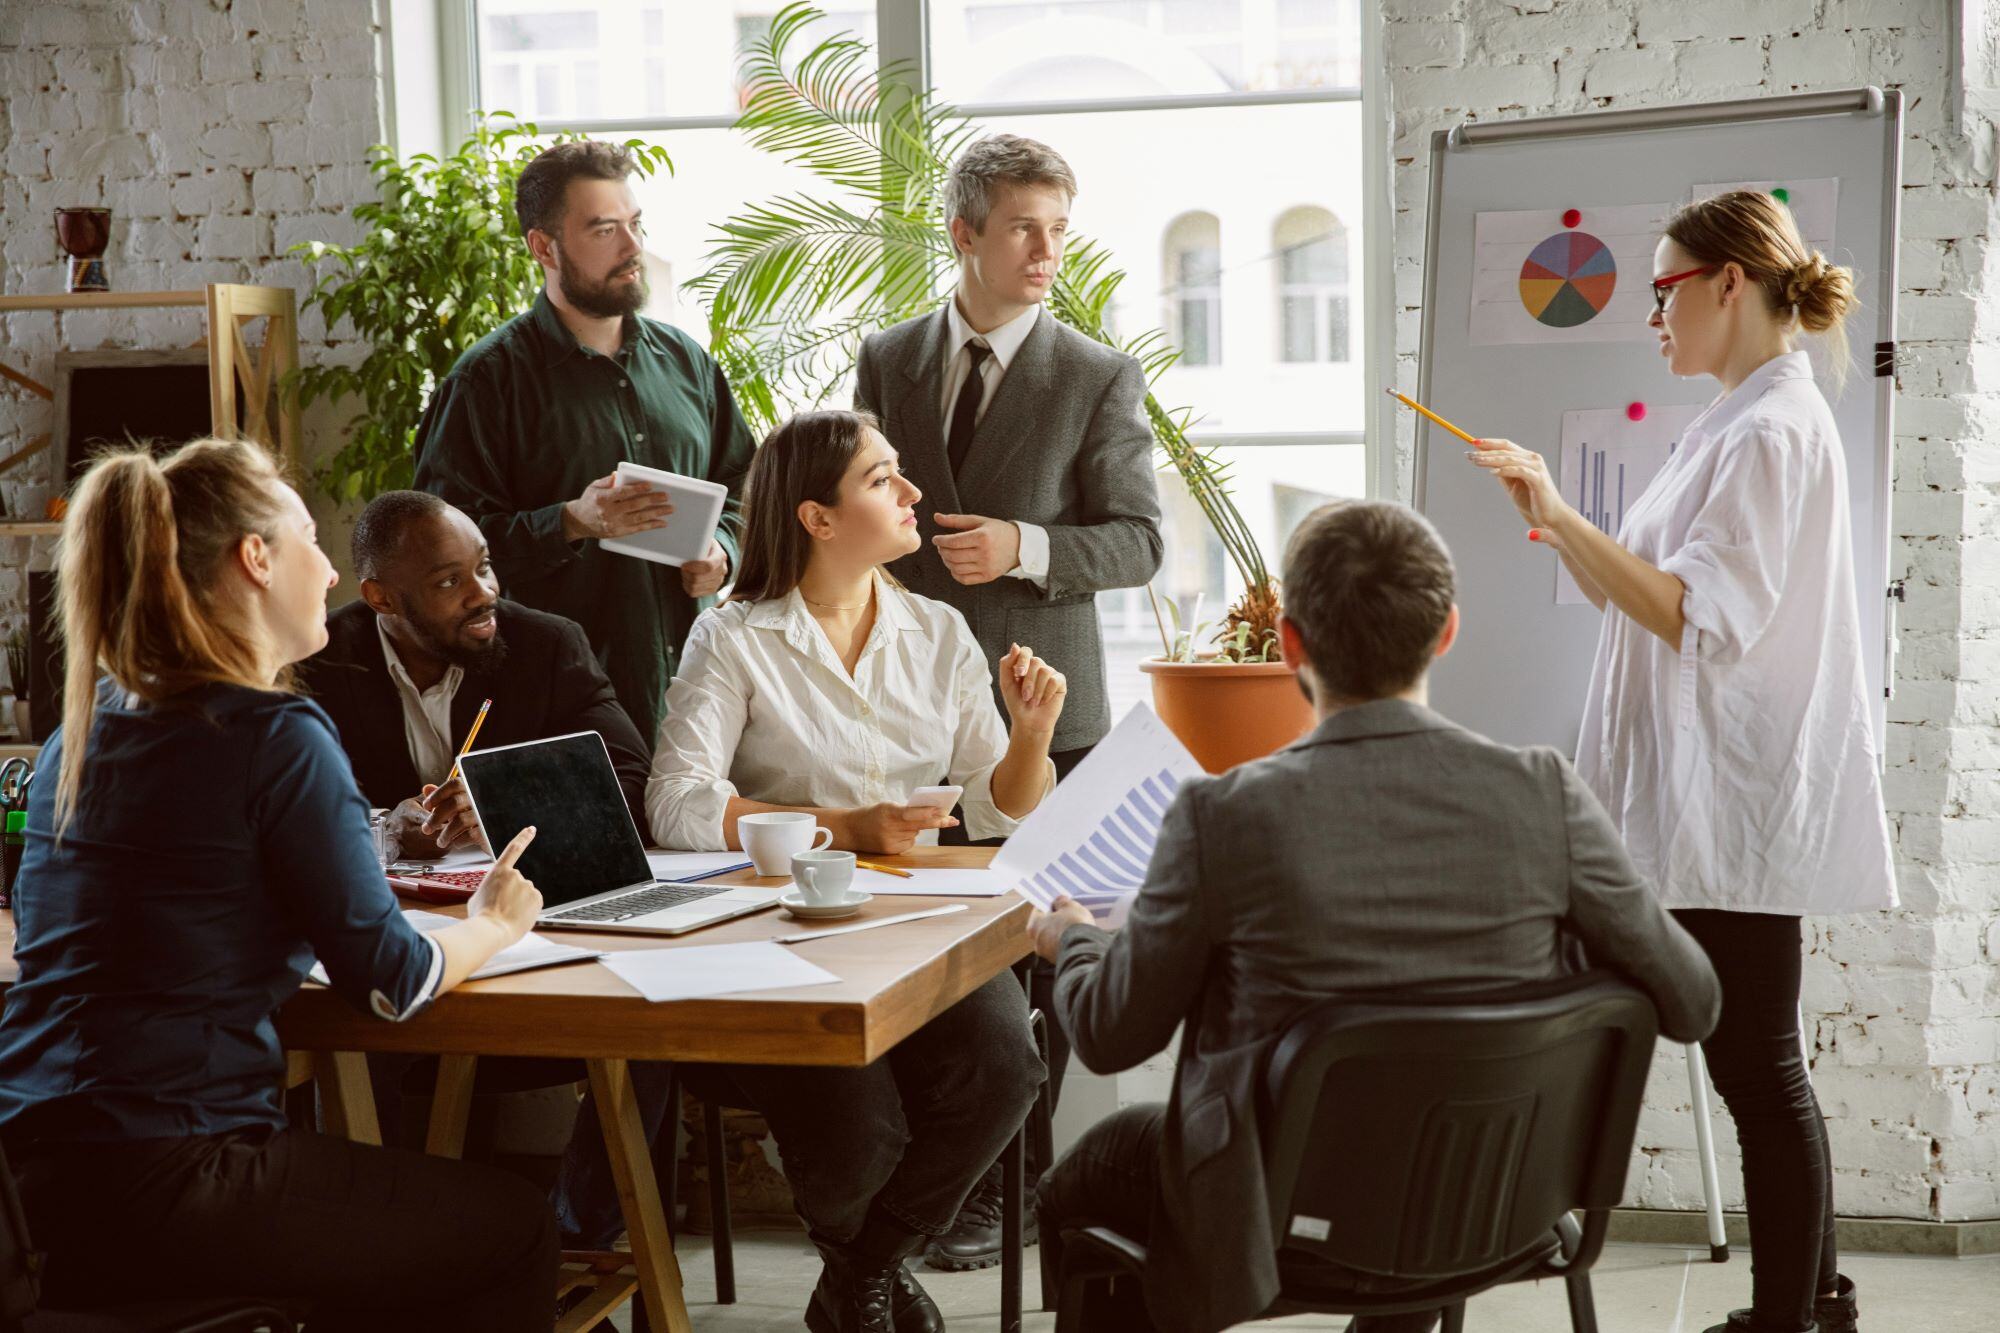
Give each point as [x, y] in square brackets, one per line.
[1571, 217]
[1635, 412]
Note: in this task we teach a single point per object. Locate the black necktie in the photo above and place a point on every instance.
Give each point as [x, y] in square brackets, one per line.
[965, 412]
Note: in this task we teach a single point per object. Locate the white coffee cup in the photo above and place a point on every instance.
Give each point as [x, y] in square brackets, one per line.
[824, 878]
[773, 839]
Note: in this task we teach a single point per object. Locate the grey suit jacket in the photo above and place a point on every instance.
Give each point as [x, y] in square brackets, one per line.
[1389, 853]
[1064, 445]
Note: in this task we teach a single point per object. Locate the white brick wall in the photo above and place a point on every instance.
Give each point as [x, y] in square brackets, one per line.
[1902, 1010]
[219, 133]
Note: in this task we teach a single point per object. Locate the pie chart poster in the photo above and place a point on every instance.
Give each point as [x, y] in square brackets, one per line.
[1565, 275]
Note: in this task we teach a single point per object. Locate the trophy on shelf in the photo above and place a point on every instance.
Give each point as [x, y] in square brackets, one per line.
[84, 234]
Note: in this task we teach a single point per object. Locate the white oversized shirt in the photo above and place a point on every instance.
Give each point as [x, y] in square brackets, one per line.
[1004, 342]
[763, 709]
[1742, 770]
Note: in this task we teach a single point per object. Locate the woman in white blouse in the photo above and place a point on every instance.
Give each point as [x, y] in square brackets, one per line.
[1727, 728]
[824, 686]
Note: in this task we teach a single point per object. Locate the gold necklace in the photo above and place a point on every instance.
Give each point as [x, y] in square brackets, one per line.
[829, 606]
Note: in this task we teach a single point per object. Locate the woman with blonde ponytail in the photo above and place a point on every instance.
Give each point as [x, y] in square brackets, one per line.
[1728, 728]
[196, 840]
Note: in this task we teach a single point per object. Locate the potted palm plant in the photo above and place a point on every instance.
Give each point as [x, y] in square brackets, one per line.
[795, 282]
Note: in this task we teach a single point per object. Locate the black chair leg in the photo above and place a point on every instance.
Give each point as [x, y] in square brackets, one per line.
[1013, 1178]
[718, 1200]
[666, 1153]
[1454, 1319]
[1582, 1307]
[1044, 1144]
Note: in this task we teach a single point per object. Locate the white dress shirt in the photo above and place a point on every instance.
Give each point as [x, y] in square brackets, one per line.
[1005, 342]
[426, 713]
[1742, 770]
[763, 709]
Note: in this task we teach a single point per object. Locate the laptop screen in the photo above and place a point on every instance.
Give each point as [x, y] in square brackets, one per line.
[584, 840]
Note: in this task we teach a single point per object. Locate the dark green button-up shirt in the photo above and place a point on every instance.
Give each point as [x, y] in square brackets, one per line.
[528, 418]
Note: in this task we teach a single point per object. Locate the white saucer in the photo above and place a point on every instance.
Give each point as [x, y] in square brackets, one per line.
[795, 903]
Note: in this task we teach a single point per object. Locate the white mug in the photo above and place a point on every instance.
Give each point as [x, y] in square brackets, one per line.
[773, 839]
[823, 877]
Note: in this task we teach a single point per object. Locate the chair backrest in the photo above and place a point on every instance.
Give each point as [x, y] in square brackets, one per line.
[1426, 1140]
[20, 1266]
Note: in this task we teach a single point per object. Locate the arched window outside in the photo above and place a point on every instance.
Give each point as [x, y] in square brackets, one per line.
[1192, 280]
[1313, 302]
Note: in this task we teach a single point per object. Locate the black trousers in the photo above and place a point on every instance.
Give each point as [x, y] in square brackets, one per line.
[1755, 1061]
[906, 1137]
[1109, 1178]
[367, 1239]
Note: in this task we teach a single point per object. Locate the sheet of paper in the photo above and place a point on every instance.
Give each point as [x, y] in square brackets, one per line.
[1093, 836]
[1538, 279]
[714, 969]
[1608, 460]
[938, 883]
[528, 952]
[1815, 203]
[679, 865]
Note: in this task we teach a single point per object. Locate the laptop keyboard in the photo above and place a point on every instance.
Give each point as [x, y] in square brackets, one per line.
[640, 902]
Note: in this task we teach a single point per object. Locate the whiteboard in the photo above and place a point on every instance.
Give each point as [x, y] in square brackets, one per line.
[1522, 663]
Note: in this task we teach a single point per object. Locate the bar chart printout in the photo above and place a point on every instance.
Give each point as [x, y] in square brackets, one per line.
[1092, 839]
[1608, 461]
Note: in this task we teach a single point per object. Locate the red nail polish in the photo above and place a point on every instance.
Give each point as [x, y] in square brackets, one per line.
[1534, 534]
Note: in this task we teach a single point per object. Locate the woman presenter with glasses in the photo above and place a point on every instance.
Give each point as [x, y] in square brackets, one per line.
[1727, 727]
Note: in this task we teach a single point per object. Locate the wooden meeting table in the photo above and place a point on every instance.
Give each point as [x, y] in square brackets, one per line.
[892, 982]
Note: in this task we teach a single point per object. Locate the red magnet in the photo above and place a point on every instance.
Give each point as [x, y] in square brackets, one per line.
[1635, 412]
[1571, 217]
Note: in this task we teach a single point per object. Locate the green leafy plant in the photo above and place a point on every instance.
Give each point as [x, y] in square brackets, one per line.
[796, 281]
[441, 266]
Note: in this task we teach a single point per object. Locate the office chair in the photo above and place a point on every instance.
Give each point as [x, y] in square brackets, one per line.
[1417, 1154]
[20, 1294]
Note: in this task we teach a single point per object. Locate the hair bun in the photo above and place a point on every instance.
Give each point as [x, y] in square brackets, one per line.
[1805, 279]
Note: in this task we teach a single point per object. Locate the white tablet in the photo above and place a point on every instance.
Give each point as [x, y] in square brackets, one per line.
[690, 528]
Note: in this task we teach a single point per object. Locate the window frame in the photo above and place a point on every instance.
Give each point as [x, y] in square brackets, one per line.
[902, 29]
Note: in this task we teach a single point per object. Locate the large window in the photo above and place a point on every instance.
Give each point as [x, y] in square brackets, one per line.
[1217, 146]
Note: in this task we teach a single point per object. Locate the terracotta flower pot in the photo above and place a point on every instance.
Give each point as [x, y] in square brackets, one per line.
[1227, 712]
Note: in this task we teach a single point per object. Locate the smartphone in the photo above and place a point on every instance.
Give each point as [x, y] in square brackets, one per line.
[944, 798]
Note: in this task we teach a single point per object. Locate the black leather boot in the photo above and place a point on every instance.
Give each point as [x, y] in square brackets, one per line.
[1840, 1312]
[974, 1238]
[861, 1281]
[1742, 1321]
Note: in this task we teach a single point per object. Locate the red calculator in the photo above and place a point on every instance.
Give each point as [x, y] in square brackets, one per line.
[437, 886]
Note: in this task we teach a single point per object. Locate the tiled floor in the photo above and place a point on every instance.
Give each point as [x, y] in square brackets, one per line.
[1639, 1289]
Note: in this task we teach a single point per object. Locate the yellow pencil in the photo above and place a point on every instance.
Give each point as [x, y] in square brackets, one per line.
[887, 870]
[471, 735]
[1413, 403]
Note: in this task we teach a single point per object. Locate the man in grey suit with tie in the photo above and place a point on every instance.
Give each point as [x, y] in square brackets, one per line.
[1031, 446]
[1389, 853]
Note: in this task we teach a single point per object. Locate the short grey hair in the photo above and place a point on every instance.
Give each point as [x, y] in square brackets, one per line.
[1000, 159]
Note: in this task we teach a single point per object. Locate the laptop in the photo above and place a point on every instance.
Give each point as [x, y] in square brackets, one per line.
[587, 859]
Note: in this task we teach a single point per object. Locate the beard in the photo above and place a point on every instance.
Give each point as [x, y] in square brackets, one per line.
[475, 660]
[606, 299]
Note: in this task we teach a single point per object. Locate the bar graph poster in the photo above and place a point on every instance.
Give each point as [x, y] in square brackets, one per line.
[1608, 460]
[1092, 838]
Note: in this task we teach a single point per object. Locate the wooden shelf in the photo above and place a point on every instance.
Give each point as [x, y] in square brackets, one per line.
[22, 527]
[103, 300]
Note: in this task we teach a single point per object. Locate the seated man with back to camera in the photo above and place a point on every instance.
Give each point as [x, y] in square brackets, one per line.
[407, 666]
[1453, 864]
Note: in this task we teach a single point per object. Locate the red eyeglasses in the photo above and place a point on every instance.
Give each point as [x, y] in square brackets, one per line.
[1660, 285]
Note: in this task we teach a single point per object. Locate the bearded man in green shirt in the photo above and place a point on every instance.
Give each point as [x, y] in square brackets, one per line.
[527, 431]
